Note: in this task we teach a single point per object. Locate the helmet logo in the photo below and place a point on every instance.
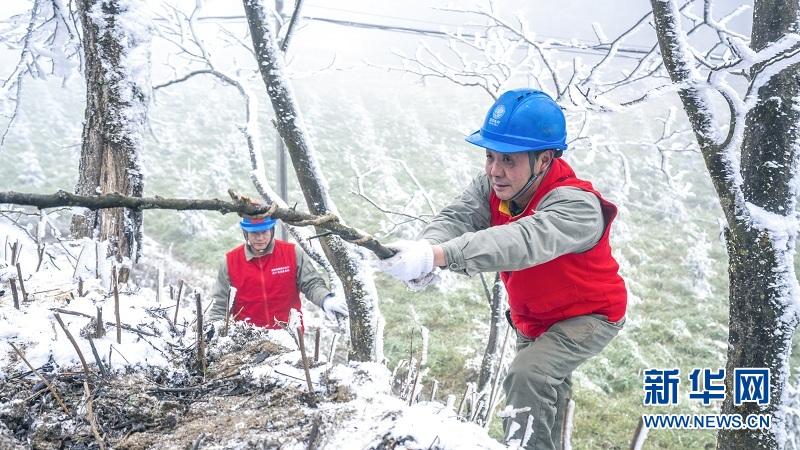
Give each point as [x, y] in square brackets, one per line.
[497, 114]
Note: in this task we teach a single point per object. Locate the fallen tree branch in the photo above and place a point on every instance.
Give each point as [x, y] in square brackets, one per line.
[241, 205]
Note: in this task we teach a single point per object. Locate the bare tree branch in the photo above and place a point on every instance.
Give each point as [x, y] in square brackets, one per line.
[240, 205]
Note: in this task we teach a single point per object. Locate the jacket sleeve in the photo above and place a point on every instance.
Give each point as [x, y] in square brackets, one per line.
[569, 220]
[222, 289]
[467, 213]
[309, 281]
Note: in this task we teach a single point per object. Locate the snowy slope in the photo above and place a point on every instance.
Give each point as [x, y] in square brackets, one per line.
[253, 391]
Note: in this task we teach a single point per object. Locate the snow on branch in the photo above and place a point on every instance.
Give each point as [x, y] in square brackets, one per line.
[495, 52]
[613, 46]
[241, 205]
[693, 91]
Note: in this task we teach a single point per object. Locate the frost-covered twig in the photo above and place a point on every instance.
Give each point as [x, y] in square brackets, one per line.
[639, 436]
[423, 356]
[90, 417]
[287, 37]
[21, 280]
[22, 69]
[467, 391]
[493, 354]
[698, 106]
[14, 293]
[496, 381]
[332, 349]
[177, 304]
[117, 316]
[361, 192]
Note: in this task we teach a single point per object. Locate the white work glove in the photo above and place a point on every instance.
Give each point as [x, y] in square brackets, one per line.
[413, 260]
[334, 306]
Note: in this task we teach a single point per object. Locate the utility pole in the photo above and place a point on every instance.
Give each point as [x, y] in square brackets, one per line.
[280, 150]
[280, 176]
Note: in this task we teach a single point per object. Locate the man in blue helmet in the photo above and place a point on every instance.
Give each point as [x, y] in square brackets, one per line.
[547, 232]
[269, 275]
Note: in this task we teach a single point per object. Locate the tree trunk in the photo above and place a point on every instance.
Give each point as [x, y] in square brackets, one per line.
[365, 317]
[762, 282]
[116, 49]
[761, 269]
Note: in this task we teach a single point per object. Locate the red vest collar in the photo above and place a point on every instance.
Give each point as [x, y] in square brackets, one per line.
[558, 172]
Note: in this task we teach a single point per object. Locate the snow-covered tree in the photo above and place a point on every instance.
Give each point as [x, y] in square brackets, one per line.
[116, 38]
[753, 166]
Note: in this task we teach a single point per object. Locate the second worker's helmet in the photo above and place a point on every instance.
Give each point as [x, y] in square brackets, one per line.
[522, 120]
[253, 224]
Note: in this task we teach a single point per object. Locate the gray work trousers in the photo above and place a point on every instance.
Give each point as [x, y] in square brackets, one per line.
[538, 383]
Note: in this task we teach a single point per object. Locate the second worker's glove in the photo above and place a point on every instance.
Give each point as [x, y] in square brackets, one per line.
[413, 260]
[334, 306]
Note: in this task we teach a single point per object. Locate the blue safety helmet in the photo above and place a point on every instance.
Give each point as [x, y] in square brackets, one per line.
[257, 224]
[522, 120]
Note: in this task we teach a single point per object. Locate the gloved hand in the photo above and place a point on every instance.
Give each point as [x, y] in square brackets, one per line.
[334, 306]
[423, 282]
[413, 260]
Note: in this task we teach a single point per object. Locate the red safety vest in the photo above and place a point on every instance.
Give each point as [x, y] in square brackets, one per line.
[266, 287]
[571, 285]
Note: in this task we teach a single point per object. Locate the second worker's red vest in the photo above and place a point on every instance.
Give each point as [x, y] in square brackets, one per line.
[266, 287]
[571, 285]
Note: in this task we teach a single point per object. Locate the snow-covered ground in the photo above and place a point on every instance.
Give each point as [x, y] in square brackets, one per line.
[252, 392]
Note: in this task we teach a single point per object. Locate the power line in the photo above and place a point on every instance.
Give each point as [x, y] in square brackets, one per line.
[407, 19]
[590, 49]
[369, 14]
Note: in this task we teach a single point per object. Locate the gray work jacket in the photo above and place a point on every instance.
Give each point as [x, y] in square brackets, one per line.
[567, 220]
